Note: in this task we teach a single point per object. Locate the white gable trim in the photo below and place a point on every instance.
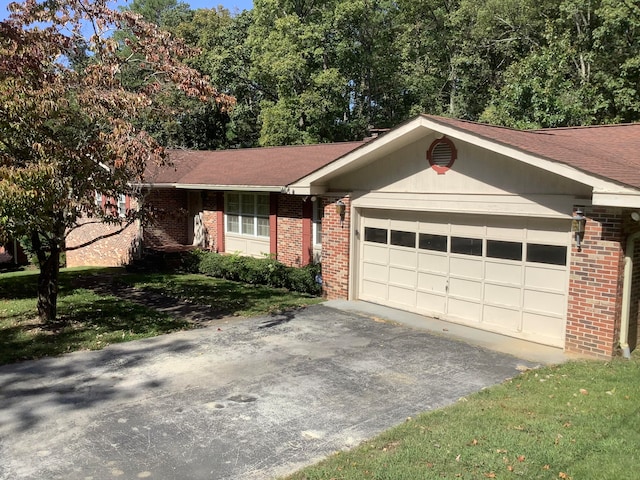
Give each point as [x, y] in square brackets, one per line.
[605, 191]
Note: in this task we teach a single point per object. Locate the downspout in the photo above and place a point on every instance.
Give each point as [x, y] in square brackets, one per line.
[15, 252]
[626, 295]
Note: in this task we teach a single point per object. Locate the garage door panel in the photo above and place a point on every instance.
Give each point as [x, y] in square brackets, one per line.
[432, 282]
[501, 317]
[402, 276]
[503, 272]
[402, 296]
[466, 267]
[464, 309]
[376, 253]
[433, 262]
[431, 302]
[547, 278]
[374, 291]
[465, 288]
[406, 258]
[544, 302]
[503, 295]
[544, 329]
[375, 272]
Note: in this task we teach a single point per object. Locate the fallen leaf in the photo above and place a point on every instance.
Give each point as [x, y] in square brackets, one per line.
[490, 475]
[458, 458]
[521, 458]
[510, 468]
[474, 442]
[546, 467]
[562, 475]
[584, 391]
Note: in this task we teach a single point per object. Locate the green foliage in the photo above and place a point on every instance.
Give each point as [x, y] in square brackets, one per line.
[261, 271]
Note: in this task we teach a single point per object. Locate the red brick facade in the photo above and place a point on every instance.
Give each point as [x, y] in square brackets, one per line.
[335, 249]
[292, 229]
[595, 286]
[112, 250]
[170, 225]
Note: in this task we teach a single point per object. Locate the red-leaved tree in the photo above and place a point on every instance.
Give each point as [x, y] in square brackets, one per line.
[65, 118]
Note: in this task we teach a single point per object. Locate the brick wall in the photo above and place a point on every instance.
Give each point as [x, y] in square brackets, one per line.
[335, 250]
[212, 203]
[595, 286]
[114, 250]
[290, 231]
[170, 225]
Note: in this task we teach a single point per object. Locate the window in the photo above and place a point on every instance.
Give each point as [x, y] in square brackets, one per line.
[466, 246]
[375, 235]
[318, 212]
[248, 214]
[98, 199]
[504, 250]
[551, 254]
[437, 243]
[441, 155]
[403, 239]
[122, 205]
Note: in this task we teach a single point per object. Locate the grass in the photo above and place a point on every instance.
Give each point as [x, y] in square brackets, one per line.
[574, 421]
[224, 297]
[88, 320]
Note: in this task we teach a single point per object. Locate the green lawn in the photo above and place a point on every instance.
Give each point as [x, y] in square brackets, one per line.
[580, 420]
[90, 321]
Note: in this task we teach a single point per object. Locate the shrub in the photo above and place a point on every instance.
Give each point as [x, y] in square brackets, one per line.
[260, 271]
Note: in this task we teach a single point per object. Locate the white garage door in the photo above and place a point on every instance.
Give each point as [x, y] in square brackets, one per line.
[503, 274]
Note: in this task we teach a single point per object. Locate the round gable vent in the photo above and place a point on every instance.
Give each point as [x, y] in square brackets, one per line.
[441, 154]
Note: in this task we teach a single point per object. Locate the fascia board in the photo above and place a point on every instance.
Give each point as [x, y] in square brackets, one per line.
[234, 188]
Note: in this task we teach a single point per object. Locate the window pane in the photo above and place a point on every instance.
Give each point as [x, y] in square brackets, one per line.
[552, 254]
[122, 205]
[233, 223]
[247, 204]
[506, 250]
[317, 222]
[248, 226]
[233, 203]
[403, 239]
[263, 205]
[466, 246]
[263, 227]
[376, 235]
[433, 242]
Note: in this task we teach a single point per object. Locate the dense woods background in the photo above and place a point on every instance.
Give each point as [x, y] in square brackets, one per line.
[306, 71]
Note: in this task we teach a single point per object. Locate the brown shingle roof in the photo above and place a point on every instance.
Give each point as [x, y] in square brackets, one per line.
[259, 167]
[607, 151]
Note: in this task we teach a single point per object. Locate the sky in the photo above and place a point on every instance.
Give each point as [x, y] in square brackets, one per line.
[230, 5]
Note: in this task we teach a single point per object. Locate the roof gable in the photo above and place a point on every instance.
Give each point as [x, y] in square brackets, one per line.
[603, 157]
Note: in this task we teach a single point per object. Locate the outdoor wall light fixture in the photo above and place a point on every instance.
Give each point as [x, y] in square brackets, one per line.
[635, 216]
[578, 222]
[341, 210]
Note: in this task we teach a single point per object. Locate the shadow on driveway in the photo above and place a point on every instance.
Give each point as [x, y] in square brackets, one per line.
[244, 399]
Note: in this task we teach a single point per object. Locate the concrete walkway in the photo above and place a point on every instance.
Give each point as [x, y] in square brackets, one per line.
[240, 399]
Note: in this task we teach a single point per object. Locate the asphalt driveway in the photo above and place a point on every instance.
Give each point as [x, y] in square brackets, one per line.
[243, 399]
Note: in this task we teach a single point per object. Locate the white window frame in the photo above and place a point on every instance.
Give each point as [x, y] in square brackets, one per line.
[122, 205]
[98, 199]
[247, 214]
[317, 222]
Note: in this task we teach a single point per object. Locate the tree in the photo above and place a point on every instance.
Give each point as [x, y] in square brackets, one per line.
[65, 120]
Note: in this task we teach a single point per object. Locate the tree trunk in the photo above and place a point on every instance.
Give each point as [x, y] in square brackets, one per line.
[49, 262]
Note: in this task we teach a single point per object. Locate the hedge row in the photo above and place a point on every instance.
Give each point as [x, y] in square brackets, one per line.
[258, 271]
